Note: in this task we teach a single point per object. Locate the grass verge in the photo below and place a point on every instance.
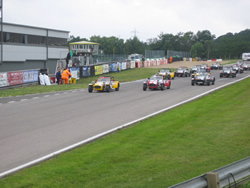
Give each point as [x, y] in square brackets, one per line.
[169, 148]
[124, 76]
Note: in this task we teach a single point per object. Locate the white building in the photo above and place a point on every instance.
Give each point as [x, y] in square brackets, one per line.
[26, 47]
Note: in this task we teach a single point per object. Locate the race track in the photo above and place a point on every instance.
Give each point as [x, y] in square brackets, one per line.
[34, 126]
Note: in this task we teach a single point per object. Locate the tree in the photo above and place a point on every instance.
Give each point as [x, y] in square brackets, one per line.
[202, 36]
[135, 46]
[208, 45]
[197, 50]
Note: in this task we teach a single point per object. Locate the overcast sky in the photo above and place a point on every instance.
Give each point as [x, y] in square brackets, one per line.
[127, 18]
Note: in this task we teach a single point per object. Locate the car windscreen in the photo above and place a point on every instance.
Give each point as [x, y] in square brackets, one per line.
[104, 79]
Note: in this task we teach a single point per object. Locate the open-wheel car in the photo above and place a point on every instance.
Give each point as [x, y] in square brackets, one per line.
[156, 82]
[166, 73]
[203, 79]
[182, 71]
[227, 72]
[104, 83]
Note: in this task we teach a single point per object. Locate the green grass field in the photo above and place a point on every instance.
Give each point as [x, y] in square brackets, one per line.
[164, 150]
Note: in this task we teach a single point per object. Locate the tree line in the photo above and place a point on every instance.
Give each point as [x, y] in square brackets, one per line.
[203, 44]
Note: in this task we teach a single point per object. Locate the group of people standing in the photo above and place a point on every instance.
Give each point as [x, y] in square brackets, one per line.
[64, 76]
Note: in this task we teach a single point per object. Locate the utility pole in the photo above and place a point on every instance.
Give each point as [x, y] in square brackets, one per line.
[1, 29]
[135, 33]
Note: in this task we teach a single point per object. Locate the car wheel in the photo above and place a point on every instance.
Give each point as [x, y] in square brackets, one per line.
[162, 87]
[90, 89]
[117, 89]
[144, 87]
[108, 88]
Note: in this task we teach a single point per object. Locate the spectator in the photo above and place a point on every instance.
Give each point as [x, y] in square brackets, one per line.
[58, 76]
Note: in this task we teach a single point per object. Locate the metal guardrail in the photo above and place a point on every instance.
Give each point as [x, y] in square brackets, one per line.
[239, 170]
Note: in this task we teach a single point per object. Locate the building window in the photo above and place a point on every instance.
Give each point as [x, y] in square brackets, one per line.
[33, 39]
[57, 41]
[25, 39]
[6, 37]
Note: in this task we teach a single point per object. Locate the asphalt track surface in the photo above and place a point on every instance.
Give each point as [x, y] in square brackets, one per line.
[33, 126]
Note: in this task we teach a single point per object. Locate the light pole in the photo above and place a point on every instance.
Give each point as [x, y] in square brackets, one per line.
[1, 27]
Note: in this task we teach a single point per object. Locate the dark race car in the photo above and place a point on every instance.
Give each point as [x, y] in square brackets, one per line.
[202, 79]
[227, 72]
[182, 71]
[156, 82]
[216, 66]
[198, 72]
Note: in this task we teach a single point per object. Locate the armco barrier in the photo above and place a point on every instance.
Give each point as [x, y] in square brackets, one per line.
[237, 170]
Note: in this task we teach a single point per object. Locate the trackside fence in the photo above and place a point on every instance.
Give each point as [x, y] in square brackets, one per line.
[225, 176]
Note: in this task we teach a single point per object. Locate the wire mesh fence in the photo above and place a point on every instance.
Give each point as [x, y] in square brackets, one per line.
[152, 54]
[172, 53]
[109, 58]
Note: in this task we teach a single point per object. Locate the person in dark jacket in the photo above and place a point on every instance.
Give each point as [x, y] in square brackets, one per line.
[58, 76]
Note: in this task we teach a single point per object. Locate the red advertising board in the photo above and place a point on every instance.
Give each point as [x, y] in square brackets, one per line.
[15, 78]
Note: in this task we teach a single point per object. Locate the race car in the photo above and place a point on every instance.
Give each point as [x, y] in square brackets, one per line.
[202, 79]
[195, 68]
[156, 82]
[198, 72]
[245, 66]
[237, 68]
[227, 72]
[104, 83]
[166, 73]
[216, 66]
[206, 67]
[182, 71]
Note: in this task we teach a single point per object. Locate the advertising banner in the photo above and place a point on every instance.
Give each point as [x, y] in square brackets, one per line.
[30, 76]
[128, 65]
[75, 71]
[15, 78]
[123, 66]
[98, 70]
[113, 67]
[132, 64]
[85, 71]
[3, 79]
[105, 68]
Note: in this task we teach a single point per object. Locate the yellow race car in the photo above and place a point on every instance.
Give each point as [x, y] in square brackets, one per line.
[166, 73]
[104, 83]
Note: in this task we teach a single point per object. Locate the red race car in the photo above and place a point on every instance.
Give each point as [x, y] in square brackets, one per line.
[156, 82]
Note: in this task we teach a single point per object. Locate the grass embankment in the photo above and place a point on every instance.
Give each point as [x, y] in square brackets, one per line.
[124, 76]
[172, 147]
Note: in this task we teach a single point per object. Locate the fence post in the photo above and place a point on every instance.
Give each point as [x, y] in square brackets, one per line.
[213, 180]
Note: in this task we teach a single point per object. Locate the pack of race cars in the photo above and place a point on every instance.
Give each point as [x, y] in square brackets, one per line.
[200, 75]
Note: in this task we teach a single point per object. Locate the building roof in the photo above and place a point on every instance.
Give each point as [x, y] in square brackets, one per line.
[28, 26]
[84, 42]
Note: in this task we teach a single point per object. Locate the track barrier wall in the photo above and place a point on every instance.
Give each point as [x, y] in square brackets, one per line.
[32, 76]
